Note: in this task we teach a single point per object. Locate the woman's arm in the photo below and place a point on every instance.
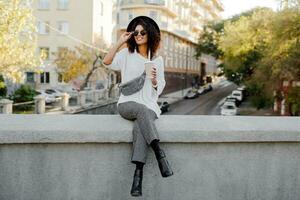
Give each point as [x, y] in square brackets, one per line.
[107, 60]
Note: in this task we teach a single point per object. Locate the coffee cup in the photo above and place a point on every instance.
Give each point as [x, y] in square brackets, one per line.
[149, 65]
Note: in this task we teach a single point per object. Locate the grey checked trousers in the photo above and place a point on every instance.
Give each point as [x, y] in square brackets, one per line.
[144, 129]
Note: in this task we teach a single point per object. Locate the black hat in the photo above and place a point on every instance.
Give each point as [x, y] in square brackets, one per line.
[144, 18]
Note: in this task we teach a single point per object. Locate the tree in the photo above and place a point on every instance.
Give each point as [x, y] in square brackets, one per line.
[81, 61]
[208, 41]
[18, 40]
[244, 42]
[262, 50]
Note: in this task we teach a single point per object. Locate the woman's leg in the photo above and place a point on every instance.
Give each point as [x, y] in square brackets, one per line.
[144, 134]
[144, 116]
[140, 146]
[136, 188]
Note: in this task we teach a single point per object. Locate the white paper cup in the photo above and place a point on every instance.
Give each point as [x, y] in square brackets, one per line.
[148, 67]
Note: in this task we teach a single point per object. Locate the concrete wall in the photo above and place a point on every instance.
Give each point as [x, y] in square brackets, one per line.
[87, 157]
[107, 108]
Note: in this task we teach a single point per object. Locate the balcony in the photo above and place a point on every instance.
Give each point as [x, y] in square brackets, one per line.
[88, 157]
[155, 2]
[185, 3]
[196, 12]
[196, 25]
[161, 5]
[206, 6]
[218, 5]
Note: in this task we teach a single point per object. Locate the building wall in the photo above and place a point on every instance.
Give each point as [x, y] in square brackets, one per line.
[180, 22]
[89, 21]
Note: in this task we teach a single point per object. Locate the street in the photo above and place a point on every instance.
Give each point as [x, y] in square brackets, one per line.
[207, 104]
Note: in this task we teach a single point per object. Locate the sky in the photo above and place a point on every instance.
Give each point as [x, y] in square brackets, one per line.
[232, 7]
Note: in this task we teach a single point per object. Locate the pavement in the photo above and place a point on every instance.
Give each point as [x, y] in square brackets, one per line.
[174, 97]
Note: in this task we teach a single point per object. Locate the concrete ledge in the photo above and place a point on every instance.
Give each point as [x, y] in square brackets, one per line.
[87, 157]
[113, 129]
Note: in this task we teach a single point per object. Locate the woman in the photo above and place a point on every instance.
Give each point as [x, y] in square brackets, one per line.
[142, 38]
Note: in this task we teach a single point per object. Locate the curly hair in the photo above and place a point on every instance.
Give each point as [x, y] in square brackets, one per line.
[152, 34]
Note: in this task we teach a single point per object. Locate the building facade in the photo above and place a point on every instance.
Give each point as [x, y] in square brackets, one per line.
[68, 23]
[59, 22]
[180, 22]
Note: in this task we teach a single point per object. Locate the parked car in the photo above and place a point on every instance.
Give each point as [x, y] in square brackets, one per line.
[191, 94]
[238, 95]
[54, 92]
[49, 98]
[208, 87]
[73, 92]
[164, 106]
[243, 90]
[231, 98]
[201, 91]
[228, 108]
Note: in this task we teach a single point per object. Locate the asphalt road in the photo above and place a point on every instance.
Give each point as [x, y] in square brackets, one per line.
[206, 104]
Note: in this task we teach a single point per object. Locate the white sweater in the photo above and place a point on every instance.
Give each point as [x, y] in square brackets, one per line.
[132, 66]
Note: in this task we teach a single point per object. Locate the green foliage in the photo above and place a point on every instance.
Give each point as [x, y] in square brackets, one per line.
[257, 97]
[3, 89]
[244, 42]
[208, 41]
[259, 48]
[23, 94]
[293, 100]
[262, 49]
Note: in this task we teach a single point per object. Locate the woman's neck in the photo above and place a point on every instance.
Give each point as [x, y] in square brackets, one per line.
[143, 50]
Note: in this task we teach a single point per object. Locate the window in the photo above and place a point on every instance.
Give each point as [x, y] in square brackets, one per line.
[45, 77]
[101, 9]
[153, 14]
[101, 31]
[130, 16]
[44, 52]
[43, 29]
[118, 18]
[30, 77]
[60, 78]
[154, 2]
[62, 49]
[63, 4]
[63, 27]
[44, 4]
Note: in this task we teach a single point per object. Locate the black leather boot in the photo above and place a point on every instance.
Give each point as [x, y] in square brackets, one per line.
[136, 189]
[163, 164]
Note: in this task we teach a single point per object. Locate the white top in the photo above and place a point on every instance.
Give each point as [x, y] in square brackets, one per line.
[132, 66]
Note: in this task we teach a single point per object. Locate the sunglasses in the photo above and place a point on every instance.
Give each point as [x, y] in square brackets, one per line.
[142, 32]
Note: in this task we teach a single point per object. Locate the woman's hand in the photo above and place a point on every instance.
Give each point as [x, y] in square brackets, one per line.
[153, 79]
[124, 37]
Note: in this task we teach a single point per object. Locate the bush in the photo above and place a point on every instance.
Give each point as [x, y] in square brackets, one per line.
[23, 94]
[293, 100]
[258, 98]
[3, 89]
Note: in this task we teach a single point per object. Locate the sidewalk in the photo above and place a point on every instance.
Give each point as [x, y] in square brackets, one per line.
[174, 96]
[179, 95]
[247, 109]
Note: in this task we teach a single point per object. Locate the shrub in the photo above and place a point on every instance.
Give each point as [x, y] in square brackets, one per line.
[3, 89]
[23, 94]
[293, 100]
